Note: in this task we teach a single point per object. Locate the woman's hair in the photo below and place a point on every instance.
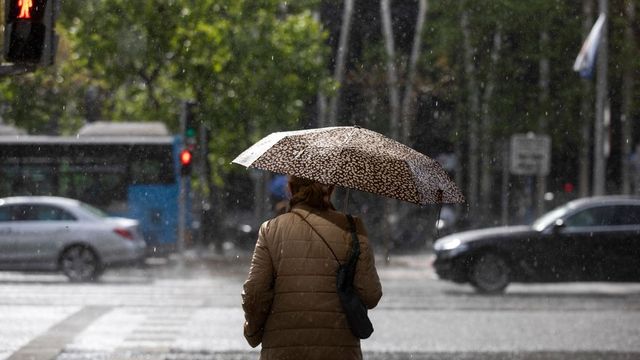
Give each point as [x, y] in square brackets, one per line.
[309, 192]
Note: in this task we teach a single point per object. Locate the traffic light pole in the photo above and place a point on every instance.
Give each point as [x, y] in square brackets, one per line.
[186, 131]
[182, 194]
[182, 214]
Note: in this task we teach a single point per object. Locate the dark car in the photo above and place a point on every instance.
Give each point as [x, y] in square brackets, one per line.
[590, 239]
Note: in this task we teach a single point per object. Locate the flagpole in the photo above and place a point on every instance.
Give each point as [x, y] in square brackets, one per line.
[599, 163]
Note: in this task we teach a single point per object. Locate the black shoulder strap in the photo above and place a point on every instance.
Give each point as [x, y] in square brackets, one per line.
[355, 243]
[317, 233]
[354, 234]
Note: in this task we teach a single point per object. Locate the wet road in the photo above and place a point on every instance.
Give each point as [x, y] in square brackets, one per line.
[191, 310]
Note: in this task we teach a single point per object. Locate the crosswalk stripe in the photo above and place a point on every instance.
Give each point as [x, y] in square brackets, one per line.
[48, 345]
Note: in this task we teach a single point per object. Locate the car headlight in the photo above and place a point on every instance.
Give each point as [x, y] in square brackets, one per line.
[448, 244]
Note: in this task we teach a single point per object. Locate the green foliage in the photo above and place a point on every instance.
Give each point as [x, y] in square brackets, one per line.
[256, 66]
[515, 104]
[127, 49]
[252, 66]
[36, 106]
[250, 71]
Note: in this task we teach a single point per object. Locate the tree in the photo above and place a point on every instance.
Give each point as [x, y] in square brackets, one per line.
[392, 70]
[585, 110]
[628, 82]
[478, 74]
[473, 93]
[339, 70]
[127, 48]
[252, 70]
[409, 96]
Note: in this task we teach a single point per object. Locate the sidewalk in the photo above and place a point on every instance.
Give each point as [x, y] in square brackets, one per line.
[194, 262]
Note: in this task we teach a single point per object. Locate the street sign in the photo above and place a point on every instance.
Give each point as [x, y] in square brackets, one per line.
[530, 154]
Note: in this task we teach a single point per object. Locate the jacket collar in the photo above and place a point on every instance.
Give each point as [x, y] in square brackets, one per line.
[303, 209]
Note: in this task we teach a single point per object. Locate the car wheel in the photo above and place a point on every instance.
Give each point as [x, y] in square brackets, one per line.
[489, 273]
[80, 264]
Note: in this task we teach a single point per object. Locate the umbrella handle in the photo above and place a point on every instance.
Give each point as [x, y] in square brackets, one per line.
[439, 212]
[346, 202]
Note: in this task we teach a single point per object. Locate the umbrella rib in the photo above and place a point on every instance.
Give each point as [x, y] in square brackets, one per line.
[342, 148]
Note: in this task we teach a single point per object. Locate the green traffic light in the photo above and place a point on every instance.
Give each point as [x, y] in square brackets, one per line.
[190, 132]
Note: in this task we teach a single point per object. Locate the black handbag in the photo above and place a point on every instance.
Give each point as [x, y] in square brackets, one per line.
[354, 309]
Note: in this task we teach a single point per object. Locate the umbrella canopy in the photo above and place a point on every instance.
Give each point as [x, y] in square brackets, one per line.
[355, 158]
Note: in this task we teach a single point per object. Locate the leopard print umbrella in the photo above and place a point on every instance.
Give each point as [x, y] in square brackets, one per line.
[355, 158]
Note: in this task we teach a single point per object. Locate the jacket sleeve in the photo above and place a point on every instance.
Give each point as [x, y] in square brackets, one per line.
[257, 294]
[366, 282]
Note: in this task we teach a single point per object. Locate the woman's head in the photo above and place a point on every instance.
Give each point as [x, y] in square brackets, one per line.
[309, 192]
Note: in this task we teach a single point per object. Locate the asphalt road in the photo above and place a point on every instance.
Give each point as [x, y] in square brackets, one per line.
[191, 310]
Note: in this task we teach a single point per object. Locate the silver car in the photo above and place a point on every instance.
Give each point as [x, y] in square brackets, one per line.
[43, 233]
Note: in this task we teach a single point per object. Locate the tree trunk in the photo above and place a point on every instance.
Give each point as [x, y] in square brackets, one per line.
[600, 161]
[488, 158]
[543, 84]
[409, 96]
[92, 104]
[392, 72]
[627, 98]
[321, 98]
[343, 47]
[585, 112]
[321, 119]
[394, 104]
[473, 118]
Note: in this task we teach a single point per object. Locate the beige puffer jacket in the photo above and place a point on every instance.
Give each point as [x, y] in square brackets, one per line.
[289, 298]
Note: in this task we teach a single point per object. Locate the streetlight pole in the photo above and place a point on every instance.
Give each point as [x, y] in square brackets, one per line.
[599, 161]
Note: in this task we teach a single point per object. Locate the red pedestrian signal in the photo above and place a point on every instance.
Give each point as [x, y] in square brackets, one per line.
[186, 158]
[28, 36]
[25, 9]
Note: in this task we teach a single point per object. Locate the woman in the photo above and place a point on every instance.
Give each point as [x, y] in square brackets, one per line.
[289, 299]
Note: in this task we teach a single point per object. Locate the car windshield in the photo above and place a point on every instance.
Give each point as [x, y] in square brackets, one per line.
[549, 218]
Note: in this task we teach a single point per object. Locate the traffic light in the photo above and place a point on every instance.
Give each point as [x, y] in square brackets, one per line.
[186, 158]
[190, 130]
[28, 35]
[188, 124]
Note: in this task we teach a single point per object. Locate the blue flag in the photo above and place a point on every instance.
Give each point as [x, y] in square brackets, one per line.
[586, 59]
